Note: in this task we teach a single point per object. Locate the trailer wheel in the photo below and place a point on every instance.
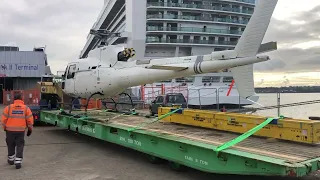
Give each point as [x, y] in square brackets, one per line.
[176, 166]
[154, 159]
[151, 113]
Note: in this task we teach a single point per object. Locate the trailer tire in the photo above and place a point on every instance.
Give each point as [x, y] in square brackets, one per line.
[151, 113]
[177, 167]
[154, 159]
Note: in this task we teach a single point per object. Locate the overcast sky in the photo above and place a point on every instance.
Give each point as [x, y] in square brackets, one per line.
[63, 25]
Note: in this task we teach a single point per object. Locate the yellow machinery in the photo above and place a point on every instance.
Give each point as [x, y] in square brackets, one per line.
[298, 130]
[50, 91]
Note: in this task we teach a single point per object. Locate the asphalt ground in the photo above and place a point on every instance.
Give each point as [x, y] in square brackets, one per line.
[55, 154]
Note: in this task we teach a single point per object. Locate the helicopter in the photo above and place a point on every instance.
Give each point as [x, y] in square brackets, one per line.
[109, 70]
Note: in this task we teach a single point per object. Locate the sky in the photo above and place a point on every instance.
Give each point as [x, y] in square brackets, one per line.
[63, 25]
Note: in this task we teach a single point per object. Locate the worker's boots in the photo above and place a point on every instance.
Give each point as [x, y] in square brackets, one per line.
[18, 166]
[11, 159]
[10, 162]
[18, 162]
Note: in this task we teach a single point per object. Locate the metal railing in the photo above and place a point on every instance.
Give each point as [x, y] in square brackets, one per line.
[194, 29]
[216, 92]
[247, 1]
[200, 6]
[196, 18]
[187, 92]
[191, 41]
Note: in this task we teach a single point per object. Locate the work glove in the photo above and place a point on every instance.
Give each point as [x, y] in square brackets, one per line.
[29, 132]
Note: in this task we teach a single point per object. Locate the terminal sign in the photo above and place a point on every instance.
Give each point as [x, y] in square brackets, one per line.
[19, 67]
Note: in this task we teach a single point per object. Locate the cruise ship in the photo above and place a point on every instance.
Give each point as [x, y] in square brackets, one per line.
[174, 28]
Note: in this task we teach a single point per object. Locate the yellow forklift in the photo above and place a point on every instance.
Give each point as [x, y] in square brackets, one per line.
[51, 94]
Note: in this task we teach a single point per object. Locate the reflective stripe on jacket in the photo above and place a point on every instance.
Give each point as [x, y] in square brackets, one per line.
[17, 117]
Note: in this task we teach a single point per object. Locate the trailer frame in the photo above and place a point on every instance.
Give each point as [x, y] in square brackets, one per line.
[180, 151]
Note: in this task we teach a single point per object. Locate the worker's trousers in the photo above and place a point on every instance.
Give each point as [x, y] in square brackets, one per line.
[15, 143]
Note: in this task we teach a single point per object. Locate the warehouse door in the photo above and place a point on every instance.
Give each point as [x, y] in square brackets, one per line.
[6, 83]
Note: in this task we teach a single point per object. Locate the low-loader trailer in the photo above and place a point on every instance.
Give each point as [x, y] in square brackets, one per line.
[206, 149]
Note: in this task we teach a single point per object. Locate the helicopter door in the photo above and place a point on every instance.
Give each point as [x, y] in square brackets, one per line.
[70, 79]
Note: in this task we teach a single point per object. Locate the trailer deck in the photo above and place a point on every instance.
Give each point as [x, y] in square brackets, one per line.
[194, 147]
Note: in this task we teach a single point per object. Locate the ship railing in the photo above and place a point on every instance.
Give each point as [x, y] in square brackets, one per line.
[216, 92]
[148, 95]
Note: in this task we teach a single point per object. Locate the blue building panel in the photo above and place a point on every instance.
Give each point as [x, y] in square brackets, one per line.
[22, 63]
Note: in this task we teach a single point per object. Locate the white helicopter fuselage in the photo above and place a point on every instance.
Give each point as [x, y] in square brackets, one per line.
[111, 76]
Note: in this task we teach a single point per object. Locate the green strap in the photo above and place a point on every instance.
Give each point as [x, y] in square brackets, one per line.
[243, 136]
[156, 119]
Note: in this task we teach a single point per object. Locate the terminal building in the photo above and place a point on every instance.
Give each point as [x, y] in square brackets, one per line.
[21, 70]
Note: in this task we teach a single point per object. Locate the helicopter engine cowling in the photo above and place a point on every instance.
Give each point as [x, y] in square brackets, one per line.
[126, 54]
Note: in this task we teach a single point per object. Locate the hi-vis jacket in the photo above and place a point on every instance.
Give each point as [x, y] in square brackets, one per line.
[17, 117]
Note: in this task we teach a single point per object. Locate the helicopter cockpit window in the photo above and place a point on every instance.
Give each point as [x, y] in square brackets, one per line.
[64, 75]
[71, 72]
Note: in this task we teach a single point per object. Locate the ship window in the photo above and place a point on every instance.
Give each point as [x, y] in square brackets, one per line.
[94, 67]
[227, 79]
[169, 80]
[185, 79]
[211, 79]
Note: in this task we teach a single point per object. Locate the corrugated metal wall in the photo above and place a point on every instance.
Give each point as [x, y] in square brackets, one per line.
[25, 83]
[22, 63]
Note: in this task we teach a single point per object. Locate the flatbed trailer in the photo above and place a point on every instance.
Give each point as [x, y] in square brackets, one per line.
[193, 147]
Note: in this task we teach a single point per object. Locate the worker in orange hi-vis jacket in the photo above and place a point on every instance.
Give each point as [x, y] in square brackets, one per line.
[16, 118]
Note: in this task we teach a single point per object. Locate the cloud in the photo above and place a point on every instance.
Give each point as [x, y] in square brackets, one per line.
[271, 65]
[61, 26]
[298, 43]
[293, 59]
